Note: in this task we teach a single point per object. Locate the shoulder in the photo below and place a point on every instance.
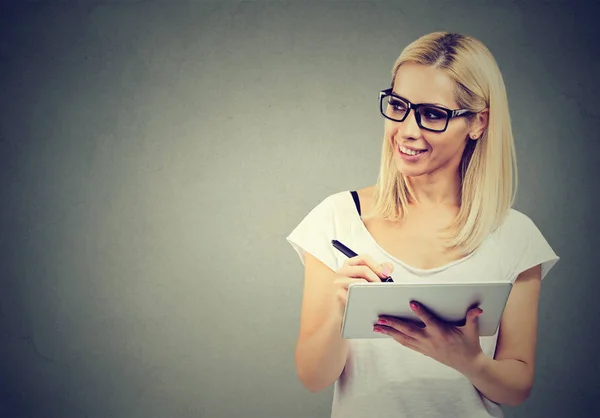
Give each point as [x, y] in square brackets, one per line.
[522, 244]
[324, 222]
[335, 201]
[339, 200]
[366, 196]
[515, 230]
[330, 208]
[515, 217]
[515, 223]
[337, 210]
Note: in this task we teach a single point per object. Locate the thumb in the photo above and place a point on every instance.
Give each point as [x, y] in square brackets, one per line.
[386, 269]
[473, 314]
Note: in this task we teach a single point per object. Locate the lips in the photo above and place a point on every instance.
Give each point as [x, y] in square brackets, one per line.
[410, 151]
[411, 148]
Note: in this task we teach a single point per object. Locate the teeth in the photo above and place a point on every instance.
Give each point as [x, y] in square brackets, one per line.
[409, 152]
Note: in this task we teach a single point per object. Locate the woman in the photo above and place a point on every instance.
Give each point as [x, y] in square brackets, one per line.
[441, 211]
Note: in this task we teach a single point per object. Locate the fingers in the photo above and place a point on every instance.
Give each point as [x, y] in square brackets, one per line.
[359, 272]
[401, 337]
[380, 270]
[424, 315]
[472, 315]
[383, 270]
[430, 320]
[404, 327]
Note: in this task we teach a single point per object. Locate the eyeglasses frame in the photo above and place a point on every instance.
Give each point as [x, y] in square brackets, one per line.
[449, 112]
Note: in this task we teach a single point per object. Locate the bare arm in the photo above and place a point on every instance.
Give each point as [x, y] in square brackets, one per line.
[320, 351]
[508, 378]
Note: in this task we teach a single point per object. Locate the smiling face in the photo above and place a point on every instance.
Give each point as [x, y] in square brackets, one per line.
[440, 151]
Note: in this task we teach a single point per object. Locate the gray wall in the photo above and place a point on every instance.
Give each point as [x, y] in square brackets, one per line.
[154, 155]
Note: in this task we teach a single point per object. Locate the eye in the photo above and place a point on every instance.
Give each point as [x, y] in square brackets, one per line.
[397, 105]
[433, 114]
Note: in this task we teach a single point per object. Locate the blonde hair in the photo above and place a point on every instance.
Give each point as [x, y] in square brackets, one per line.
[488, 168]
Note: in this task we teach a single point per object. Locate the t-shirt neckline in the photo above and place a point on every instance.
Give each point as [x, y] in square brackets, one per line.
[365, 231]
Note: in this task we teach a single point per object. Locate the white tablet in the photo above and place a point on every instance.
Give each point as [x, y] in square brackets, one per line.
[449, 301]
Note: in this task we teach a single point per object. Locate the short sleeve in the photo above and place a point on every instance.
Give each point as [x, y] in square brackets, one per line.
[314, 234]
[532, 248]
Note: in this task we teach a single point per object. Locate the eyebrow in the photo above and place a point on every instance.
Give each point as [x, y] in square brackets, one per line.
[426, 103]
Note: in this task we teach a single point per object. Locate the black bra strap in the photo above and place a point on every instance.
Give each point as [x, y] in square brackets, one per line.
[356, 200]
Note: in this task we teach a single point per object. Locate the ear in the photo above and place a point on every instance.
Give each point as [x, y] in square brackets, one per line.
[479, 124]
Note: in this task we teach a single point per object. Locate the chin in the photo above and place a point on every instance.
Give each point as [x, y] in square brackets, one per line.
[412, 175]
[410, 171]
[410, 168]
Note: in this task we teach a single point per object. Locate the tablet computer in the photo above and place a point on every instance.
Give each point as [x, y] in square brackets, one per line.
[448, 301]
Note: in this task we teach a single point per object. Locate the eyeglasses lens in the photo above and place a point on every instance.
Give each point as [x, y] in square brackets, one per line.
[432, 117]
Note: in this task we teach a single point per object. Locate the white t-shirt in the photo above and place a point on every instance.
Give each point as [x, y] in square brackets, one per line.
[382, 378]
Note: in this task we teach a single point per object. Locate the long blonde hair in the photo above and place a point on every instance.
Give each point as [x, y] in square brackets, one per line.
[488, 168]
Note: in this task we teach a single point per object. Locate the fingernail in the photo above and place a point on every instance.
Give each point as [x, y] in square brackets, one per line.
[382, 321]
[414, 306]
[386, 270]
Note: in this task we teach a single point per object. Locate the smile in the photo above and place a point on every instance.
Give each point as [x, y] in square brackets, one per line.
[407, 151]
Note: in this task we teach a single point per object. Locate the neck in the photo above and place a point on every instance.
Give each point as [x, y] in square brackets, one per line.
[435, 189]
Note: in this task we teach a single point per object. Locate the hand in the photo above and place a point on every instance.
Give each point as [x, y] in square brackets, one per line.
[357, 270]
[456, 347]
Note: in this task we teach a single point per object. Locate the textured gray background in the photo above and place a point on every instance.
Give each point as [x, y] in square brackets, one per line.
[154, 156]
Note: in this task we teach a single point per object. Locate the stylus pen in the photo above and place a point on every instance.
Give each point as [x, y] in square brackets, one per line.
[349, 253]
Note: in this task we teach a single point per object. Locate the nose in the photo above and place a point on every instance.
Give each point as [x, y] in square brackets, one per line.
[409, 128]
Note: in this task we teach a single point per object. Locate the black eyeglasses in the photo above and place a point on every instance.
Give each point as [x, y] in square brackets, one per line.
[429, 117]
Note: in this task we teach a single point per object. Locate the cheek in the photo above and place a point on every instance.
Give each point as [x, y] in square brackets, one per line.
[457, 134]
[390, 130]
[449, 141]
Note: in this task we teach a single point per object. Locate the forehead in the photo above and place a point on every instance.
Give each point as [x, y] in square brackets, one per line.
[425, 84]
